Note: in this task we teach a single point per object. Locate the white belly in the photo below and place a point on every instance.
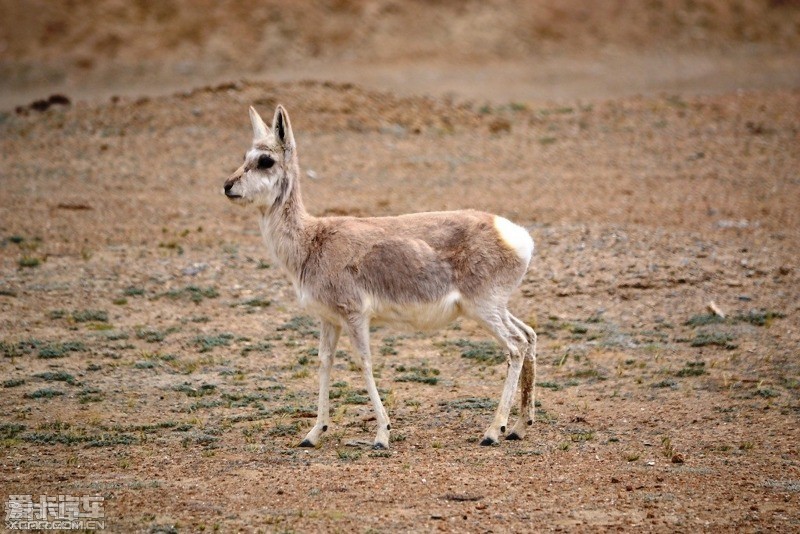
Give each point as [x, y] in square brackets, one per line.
[416, 316]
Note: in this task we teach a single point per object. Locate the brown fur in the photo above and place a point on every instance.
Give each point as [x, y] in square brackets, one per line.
[411, 258]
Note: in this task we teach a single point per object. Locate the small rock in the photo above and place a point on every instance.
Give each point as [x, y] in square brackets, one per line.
[614, 480]
[677, 458]
[194, 269]
[358, 443]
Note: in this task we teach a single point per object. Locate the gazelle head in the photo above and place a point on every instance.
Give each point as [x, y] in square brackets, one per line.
[268, 172]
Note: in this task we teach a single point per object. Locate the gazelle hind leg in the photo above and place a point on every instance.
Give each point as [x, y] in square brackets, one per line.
[513, 340]
[527, 383]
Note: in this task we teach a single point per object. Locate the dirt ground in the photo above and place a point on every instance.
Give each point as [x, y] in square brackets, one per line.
[153, 356]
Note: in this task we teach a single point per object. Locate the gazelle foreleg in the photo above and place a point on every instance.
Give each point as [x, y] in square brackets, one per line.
[328, 337]
[358, 329]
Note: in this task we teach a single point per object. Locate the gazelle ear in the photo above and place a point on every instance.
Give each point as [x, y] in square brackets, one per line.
[283, 128]
[259, 127]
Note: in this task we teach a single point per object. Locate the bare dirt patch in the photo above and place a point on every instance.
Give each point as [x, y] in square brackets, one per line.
[151, 354]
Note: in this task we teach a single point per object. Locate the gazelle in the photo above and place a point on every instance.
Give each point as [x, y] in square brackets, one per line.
[420, 270]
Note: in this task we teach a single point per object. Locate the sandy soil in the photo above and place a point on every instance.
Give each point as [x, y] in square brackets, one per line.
[152, 355]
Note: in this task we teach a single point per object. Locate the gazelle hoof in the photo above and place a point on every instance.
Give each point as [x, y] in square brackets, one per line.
[486, 442]
[513, 437]
[378, 446]
[306, 443]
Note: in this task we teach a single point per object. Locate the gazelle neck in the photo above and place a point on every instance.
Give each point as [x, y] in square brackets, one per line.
[283, 227]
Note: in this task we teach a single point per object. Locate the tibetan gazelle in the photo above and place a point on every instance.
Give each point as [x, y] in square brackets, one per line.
[418, 271]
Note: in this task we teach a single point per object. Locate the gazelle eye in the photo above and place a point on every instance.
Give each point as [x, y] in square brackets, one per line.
[265, 162]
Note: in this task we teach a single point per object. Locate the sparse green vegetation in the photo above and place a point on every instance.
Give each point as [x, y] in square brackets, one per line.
[44, 393]
[260, 346]
[759, 317]
[302, 324]
[579, 329]
[192, 391]
[257, 303]
[487, 352]
[57, 376]
[20, 348]
[209, 342]
[348, 454]
[284, 429]
[193, 293]
[114, 335]
[577, 437]
[84, 316]
[28, 262]
[424, 375]
[766, 393]
[388, 348]
[666, 383]
[87, 395]
[60, 350]
[754, 317]
[470, 403]
[719, 339]
[13, 382]
[202, 439]
[152, 335]
[70, 438]
[133, 291]
[692, 369]
[10, 430]
[171, 245]
[355, 397]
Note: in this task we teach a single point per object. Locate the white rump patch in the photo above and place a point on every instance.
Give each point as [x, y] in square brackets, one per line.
[516, 237]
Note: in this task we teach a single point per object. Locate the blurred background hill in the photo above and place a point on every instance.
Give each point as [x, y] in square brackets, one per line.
[498, 50]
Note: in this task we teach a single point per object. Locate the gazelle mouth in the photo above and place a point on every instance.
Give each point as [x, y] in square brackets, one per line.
[232, 196]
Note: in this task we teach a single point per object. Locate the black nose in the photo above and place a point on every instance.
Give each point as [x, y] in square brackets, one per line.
[228, 186]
